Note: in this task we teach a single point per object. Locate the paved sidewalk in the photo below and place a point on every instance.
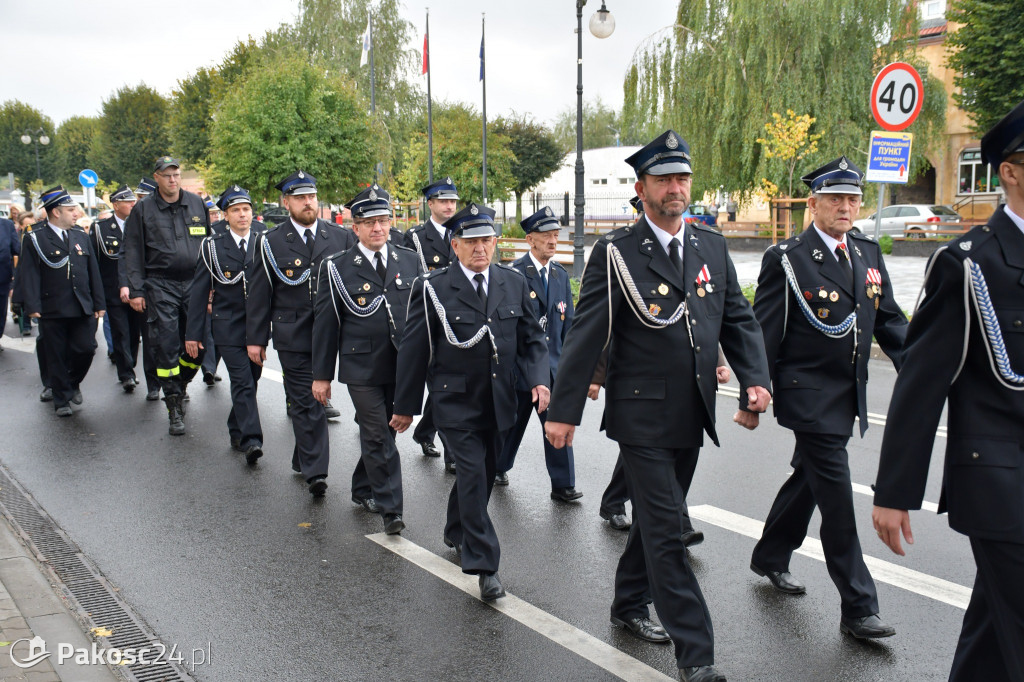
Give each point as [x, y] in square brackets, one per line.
[30, 607]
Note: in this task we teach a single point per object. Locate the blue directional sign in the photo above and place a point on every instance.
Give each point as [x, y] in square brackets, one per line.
[889, 157]
[88, 178]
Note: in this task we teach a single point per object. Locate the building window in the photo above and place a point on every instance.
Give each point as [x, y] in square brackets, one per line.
[599, 181]
[933, 9]
[975, 176]
[623, 181]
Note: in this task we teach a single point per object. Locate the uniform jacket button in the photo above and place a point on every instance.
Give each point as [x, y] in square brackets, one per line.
[636, 391]
[697, 349]
[1016, 323]
[975, 455]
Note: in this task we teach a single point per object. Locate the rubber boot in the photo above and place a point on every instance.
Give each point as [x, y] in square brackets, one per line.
[175, 416]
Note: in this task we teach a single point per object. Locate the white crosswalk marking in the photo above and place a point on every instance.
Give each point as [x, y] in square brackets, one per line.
[882, 571]
[579, 642]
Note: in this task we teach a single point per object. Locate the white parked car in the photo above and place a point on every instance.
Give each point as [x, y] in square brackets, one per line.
[895, 219]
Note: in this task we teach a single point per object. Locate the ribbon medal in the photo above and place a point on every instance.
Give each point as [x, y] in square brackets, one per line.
[704, 281]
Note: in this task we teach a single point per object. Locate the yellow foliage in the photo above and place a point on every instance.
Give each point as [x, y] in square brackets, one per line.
[102, 632]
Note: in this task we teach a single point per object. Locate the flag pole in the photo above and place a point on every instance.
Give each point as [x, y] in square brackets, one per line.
[373, 94]
[430, 117]
[483, 79]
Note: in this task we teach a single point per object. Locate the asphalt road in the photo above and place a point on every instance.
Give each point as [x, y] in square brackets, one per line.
[212, 553]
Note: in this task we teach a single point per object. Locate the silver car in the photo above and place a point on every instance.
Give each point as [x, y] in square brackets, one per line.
[895, 219]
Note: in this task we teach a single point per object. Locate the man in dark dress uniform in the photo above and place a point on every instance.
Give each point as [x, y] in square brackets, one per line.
[971, 352]
[551, 296]
[225, 262]
[161, 244]
[361, 304]
[18, 303]
[432, 243]
[61, 286]
[821, 296]
[663, 294]
[469, 326]
[282, 293]
[108, 235]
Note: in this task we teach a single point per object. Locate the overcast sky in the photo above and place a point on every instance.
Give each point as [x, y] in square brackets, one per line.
[64, 57]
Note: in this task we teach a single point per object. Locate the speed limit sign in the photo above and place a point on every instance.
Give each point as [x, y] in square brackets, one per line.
[896, 96]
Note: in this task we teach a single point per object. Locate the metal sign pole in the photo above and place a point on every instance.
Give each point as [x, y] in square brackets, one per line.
[878, 213]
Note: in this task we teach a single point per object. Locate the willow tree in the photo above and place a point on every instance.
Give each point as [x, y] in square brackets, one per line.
[726, 66]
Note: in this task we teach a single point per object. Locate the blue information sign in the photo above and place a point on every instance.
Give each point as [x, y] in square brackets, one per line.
[88, 178]
[889, 157]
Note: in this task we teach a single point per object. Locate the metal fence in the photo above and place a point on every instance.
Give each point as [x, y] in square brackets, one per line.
[598, 206]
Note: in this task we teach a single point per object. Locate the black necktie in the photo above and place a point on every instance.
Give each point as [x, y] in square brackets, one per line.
[241, 247]
[64, 237]
[675, 254]
[381, 270]
[480, 291]
[544, 280]
[844, 260]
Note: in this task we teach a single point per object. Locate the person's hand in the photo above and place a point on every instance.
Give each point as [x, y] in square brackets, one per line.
[559, 434]
[138, 303]
[35, 316]
[541, 397]
[192, 348]
[723, 374]
[594, 391]
[98, 314]
[209, 309]
[758, 398]
[257, 354]
[889, 523]
[321, 391]
[125, 295]
[401, 422]
[748, 420]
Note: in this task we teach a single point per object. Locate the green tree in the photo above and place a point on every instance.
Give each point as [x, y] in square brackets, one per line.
[458, 153]
[599, 125]
[72, 147]
[988, 58]
[132, 134]
[717, 75]
[537, 154]
[17, 118]
[790, 141]
[289, 114]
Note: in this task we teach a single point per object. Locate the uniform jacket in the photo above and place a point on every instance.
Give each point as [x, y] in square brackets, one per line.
[10, 246]
[364, 348]
[819, 387]
[109, 244]
[60, 292]
[468, 387]
[556, 306]
[660, 387]
[162, 239]
[982, 485]
[278, 310]
[396, 236]
[228, 316]
[435, 252]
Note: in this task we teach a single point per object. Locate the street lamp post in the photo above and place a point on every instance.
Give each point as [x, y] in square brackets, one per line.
[601, 25]
[37, 138]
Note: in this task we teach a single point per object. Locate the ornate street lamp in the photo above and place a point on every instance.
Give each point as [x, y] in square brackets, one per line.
[40, 138]
[602, 24]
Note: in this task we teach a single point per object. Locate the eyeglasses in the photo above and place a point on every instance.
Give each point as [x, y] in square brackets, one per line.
[370, 222]
[169, 176]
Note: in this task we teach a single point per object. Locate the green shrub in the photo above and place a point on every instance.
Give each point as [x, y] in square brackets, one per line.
[748, 291]
[885, 243]
[512, 231]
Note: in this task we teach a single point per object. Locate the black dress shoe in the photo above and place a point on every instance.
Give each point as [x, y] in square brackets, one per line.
[701, 673]
[47, 395]
[449, 467]
[216, 377]
[331, 411]
[393, 524]
[866, 627]
[501, 479]
[317, 486]
[490, 587]
[208, 378]
[153, 395]
[367, 503]
[783, 581]
[569, 494]
[692, 537]
[254, 452]
[128, 385]
[644, 628]
[617, 521]
[429, 449]
[448, 542]
[77, 397]
[64, 411]
[236, 444]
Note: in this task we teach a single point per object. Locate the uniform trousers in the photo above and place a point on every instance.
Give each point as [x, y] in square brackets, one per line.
[424, 431]
[654, 565]
[138, 332]
[476, 455]
[167, 308]
[312, 453]
[212, 356]
[69, 344]
[991, 645]
[821, 478]
[120, 339]
[559, 461]
[615, 496]
[244, 417]
[378, 472]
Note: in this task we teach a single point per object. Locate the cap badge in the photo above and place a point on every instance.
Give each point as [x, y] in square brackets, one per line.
[473, 210]
[448, 180]
[547, 211]
[236, 188]
[373, 195]
[301, 175]
[843, 165]
[671, 142]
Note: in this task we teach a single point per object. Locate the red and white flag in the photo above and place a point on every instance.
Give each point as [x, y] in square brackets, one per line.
[874, 276]
[426, 53]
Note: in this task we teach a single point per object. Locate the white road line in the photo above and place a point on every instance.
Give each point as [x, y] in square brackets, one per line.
[866, 490]
[273, 374]
[883, 571]
[558, 631]
[24, 344]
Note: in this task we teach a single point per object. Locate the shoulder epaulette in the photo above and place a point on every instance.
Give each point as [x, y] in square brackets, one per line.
[965, 245]
[393, 245]
[861, 236]
[788, 245]
[619, 233]
[700, 225]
